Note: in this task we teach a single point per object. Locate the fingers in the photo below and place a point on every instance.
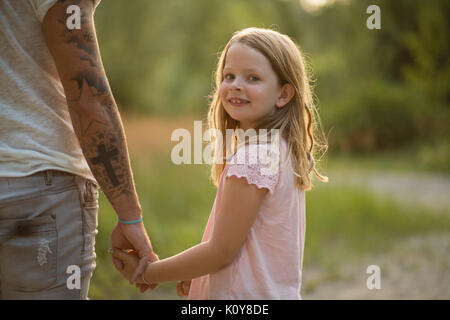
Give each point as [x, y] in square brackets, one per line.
[129, 266]
[116, 261]
[117, 264]
[153, 257]
[142, 287]
[125, 262]
[133, 236]
[118, 240]
[183, 288]
[186, 287]
[179, 289]
[153, 286]
[128, 259]
[143, 262]
[121, 256]
[136, 236]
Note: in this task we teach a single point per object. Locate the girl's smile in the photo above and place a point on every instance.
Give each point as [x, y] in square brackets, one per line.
[237, 102]
[250, 88]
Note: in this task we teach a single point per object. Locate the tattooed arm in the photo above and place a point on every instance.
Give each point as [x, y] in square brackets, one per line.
[95, 118]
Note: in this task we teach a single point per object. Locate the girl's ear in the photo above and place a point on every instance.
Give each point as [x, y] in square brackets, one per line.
[286, 94]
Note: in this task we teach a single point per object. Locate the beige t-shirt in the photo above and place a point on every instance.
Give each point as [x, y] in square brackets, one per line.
[268, 266]
[36, 132]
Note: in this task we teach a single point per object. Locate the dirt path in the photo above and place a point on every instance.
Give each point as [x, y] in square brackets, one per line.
[410, 189]
[416, 268]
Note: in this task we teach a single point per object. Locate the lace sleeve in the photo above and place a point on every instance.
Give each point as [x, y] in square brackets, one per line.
[259, 164]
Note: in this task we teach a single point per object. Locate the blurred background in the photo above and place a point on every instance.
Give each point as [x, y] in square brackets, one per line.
[384, 101]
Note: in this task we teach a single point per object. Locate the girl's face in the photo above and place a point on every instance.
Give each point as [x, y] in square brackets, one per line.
[250, 89]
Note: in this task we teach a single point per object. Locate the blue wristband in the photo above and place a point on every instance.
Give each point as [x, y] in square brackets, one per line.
[131, 222]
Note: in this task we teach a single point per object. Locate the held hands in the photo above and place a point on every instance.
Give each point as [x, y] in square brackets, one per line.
[133, 236]
[130, 262]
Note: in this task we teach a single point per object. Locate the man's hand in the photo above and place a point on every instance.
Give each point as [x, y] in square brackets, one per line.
[130, 263]
[133, 236]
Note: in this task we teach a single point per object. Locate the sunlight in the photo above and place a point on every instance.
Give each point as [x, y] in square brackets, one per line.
[317, 2]
[313, 5]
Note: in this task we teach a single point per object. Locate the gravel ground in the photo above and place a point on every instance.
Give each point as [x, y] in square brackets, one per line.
[416, 268]
[410, 189]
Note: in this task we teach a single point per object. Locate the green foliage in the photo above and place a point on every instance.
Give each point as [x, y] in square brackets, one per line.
[161, 56]
[430, 48]
[381, 90]
[377, 115]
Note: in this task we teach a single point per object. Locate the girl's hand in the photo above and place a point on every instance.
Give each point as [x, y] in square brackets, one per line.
[183, 287]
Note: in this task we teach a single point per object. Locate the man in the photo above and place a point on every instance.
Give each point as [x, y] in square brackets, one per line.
[60, 137]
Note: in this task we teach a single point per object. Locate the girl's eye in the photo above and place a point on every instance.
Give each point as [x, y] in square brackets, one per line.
[254, 78]
[228, 76]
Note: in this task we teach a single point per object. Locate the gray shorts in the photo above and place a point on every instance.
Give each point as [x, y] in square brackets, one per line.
[48, 223]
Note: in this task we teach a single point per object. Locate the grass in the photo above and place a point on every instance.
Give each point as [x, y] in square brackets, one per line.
[342, 223]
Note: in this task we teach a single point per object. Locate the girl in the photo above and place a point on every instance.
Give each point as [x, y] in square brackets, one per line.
[253, 244]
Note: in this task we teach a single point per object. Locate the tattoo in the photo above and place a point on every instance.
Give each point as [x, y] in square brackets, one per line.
[90, 61]
[94, 114]
[104, 158]
[109, 163]
[94, 80]
[88, 114]
[81, 43]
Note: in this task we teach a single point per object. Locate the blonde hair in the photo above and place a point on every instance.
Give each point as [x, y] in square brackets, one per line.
[296, 121]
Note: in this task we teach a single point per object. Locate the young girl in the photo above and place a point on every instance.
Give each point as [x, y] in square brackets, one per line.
[253, 244]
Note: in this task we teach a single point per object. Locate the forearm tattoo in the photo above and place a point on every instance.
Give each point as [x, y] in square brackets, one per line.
[94, 113]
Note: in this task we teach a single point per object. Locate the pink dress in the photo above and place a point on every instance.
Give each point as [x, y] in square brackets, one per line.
[269, 264]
